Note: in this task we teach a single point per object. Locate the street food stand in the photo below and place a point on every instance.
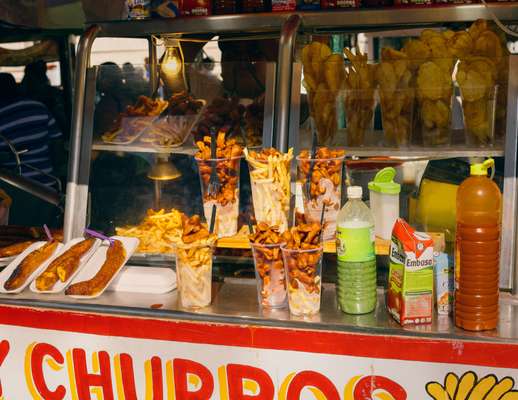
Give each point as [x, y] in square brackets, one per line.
[130, 345]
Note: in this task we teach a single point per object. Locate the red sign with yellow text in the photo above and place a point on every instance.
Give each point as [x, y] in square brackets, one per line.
[55, 355]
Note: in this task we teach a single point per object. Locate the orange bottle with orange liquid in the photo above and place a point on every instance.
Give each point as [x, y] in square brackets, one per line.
[477, 250]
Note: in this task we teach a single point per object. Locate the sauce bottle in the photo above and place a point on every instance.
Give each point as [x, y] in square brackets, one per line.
[478, 250]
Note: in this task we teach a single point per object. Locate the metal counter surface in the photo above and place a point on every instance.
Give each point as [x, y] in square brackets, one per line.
[235, 302]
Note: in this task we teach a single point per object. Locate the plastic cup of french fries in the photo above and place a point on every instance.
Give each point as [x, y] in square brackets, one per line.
[194, 274]
[269, 267]
[224, 191]
[479, 115]
[194, 263]
[359, 105]
[302, 256]
[325, 188]
[270, 181]
[397, 115]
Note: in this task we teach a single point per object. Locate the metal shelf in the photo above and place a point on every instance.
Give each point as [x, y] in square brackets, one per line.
[427, 153]
[367, 19]
[142, 148]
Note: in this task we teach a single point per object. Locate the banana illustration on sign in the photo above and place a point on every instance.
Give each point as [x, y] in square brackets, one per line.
[469, 387]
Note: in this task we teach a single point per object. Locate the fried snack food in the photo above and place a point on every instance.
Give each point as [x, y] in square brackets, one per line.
[157, 233]
[325, 187]
[30, 264]
[397, 96]
[226, 195]
[223, 114]
[194, 263]
[434, 59]
[324, 75]
[63, 266]
[270, 180]
[173, 128]
[269, 267]
[476, 77]
[359, 99]
[302, 256]
[183, 103]
[489, 41]
[135, 120]
[14, 249]
[115, 257]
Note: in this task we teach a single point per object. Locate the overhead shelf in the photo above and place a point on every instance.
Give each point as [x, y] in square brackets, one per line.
[345, 19]
[142, 148]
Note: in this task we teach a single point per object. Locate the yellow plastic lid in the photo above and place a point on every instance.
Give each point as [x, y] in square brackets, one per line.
[482, 168]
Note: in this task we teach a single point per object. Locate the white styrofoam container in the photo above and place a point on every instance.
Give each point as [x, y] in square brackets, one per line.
[145, 280]
[97, 260]
[385, 209]
[60, 286]
[6, 273]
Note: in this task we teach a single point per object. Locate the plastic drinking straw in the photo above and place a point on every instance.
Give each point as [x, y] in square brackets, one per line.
[99, 235]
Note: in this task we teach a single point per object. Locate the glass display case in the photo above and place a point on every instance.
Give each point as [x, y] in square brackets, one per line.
[141, 149]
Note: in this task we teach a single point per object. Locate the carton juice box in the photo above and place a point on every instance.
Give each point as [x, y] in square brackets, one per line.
[410, 284]
[443, 275]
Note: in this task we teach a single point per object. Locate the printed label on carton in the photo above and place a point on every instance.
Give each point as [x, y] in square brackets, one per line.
[410, 291]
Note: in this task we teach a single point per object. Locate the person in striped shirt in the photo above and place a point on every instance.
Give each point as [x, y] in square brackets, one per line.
[30, 128]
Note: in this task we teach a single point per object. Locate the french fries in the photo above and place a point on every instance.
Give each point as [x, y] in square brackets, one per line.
[194, 263]
[158, 232]
[270, 179]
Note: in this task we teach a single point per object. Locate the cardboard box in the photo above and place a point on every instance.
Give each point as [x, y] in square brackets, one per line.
[410, 284]
[443, 275]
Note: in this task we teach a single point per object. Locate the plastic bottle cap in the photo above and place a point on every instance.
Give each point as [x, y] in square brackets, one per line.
[481, 168]
[384, 182]
[354, 192]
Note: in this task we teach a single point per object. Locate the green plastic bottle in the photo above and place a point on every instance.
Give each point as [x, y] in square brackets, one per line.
[356, 271]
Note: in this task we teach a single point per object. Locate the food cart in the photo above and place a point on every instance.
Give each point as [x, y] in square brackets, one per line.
[130, 345]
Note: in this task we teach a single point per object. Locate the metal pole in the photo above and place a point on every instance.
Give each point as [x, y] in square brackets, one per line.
[284, 77]
[509, 250]
[73, 222]
[153, 66]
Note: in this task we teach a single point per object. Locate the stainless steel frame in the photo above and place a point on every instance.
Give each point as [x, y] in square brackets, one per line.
[284, 80]
[285, 97]
[77, 190]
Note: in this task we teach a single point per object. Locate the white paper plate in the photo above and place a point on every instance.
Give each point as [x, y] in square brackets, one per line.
[6, 273]
[6, 260]
[60, 286]
[150, 280]
[97, 260]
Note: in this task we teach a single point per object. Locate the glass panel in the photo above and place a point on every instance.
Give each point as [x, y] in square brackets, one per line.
[144, 142]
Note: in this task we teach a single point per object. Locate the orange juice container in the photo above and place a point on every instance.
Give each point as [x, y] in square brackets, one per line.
[477, 250]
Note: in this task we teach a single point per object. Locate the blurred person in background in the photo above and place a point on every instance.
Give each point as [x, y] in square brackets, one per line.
[112, 97]
[28, 127]
[36, 86]
[134, 81]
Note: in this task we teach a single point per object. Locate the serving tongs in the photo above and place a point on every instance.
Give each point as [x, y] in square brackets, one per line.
[313, 154]
[214, 184]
